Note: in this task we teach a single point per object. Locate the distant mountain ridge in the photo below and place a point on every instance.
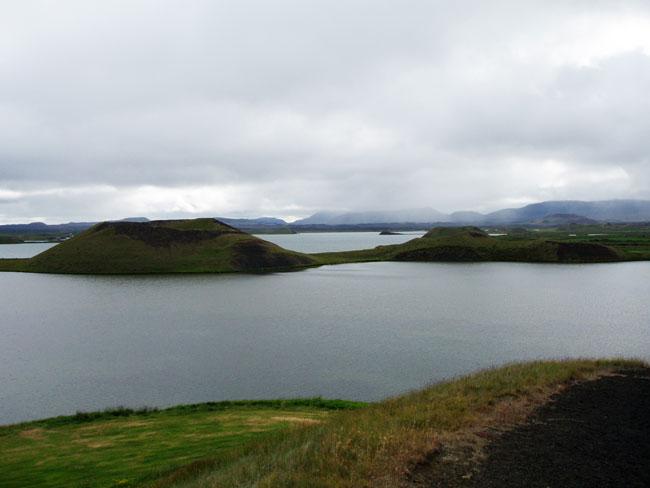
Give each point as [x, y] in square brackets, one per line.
[575, 211]
[67, 227]
[599, 211]
[416, 215]
[603, 211]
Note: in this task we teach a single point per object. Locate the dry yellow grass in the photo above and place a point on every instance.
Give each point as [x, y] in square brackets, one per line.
[385, 444]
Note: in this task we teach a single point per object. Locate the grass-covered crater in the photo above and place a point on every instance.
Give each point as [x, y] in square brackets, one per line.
[166, 246]
[209, 246]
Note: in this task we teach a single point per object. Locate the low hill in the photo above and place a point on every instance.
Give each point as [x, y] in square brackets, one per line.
[470, 245]
[166, 246]
[558, 220]
[467, 217]
[473, 244]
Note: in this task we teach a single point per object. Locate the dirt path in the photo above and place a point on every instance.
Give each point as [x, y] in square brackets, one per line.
[594, 434]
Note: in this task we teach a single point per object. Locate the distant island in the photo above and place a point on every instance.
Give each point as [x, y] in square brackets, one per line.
[210, 246]
[169, 246]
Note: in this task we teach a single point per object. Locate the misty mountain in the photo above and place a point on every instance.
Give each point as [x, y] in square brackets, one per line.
[415, 215]
[577, 211]
[67, 227]
[558, 212]
[467, 217]
[557, 220]
[605, 210]
[42, 227]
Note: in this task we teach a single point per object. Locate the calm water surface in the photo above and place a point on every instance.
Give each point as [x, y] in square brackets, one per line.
[358, 331]
[23, 250]
[311, 242]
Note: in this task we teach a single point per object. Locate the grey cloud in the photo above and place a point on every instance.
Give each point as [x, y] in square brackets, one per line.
[308, 105]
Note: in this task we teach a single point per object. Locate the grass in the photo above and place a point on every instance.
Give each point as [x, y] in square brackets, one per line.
[381, 444]
[9, 239]
[181, 246]
[458, 244]
[292, 443]
[125, 447]
[208, 246]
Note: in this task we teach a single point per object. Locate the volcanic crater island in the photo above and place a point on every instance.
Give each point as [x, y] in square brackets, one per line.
[207, 245]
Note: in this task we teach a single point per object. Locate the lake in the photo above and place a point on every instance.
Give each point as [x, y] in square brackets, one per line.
[312, 242]
[357, 331]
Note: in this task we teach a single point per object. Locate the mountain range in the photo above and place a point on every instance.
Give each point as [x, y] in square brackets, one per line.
[600, 211]
[543, 213]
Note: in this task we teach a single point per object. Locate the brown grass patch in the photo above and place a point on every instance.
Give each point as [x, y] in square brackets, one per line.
[35, 434]
[303, 420]
[97, 445]
[46, 460]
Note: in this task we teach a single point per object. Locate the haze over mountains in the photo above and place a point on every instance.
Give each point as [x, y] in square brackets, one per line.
[606, 210]
[551, 212]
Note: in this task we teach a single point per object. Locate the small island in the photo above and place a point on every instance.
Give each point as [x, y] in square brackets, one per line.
[165, 246]
[207, 245]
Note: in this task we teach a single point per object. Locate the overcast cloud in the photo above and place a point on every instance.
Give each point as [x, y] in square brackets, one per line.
[247, 108]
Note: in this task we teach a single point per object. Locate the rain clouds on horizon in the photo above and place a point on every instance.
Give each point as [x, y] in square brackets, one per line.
[249, 108]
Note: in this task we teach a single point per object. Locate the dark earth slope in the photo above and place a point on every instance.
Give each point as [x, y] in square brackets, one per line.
[594, 434]
[473, 244]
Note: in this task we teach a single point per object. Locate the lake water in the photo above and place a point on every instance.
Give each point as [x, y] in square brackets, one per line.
[358, 331]
[309, 242]
[23, 250]
[312, 242]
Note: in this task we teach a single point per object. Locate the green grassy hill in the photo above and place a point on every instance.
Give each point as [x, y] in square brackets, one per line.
[476, 245]
[210, 246]
[126, 448]
[170, 246]
[473, 244]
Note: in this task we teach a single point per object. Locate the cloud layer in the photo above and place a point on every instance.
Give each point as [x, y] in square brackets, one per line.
[248, 108]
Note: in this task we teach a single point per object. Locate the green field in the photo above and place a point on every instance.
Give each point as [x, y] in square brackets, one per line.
[300, 443]
[125, 448]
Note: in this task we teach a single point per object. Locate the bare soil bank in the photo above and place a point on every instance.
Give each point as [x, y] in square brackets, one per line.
[595, 433]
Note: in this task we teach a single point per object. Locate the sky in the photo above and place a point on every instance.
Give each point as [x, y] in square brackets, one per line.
[170, 109]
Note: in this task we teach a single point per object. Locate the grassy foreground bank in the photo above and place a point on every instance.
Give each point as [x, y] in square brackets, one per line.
[283, 445]
[126, 448]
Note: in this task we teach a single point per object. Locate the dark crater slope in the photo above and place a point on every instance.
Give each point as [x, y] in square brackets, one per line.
[473, 244]
[255, 254]
[157, 234]
[594, 434]
[583, 251]
[442, 253]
